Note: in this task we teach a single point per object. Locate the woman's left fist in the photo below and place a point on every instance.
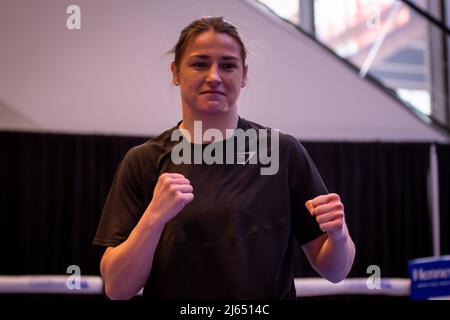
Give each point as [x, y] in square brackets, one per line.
[329, 212]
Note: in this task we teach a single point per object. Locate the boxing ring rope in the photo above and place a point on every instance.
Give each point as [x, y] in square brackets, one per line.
[312, 287]
[305, 287]
[52, 284]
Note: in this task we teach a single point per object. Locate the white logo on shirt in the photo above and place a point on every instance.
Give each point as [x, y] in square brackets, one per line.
[244, 144]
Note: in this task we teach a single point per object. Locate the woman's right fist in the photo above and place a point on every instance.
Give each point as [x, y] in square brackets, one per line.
[172, 192]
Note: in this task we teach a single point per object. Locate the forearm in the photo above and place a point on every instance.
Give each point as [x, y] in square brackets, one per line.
[335, 258]
[126, 267]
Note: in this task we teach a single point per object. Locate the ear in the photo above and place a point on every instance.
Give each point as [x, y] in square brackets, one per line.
[244, 78]
[175, 77]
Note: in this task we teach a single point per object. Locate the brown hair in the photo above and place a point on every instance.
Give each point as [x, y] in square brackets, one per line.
[197, 27]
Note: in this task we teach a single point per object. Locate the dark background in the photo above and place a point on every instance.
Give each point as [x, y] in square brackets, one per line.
[53, 187]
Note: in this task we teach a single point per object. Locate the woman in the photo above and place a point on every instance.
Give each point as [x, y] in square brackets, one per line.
[221, 230]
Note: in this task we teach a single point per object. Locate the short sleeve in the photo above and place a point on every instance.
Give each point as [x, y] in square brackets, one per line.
[305, 184]
[124, 204]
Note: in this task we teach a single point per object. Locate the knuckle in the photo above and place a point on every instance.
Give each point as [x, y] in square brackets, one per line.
[163, 176]
[320, 220]
[164, 179]
[178, 197]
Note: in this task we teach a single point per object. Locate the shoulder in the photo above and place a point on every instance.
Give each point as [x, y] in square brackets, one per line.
[152, 148]
[143, 161]
[287, 142]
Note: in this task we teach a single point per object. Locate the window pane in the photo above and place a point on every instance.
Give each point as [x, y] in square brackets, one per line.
[287, 9]
[383, 37]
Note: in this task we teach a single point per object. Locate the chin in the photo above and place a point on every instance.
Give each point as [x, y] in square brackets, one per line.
[214, 109]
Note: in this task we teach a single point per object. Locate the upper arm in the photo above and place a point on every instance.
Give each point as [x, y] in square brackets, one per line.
[305, 183]
[103, 259]
[125, 203]
[107, 251]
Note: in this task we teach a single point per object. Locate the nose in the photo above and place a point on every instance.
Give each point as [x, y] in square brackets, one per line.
[213, 78]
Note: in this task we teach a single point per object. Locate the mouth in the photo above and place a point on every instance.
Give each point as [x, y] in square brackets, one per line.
[212, 92]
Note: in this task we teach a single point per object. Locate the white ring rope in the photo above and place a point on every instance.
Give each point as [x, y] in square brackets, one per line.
[311, 287]
[305, 287]
[53, 284]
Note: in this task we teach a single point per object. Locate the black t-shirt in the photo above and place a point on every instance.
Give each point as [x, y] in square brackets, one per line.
[234, 240]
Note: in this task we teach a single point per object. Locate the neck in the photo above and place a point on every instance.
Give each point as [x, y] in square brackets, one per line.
[220, 121]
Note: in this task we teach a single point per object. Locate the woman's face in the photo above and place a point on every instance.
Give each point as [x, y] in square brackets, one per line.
[210, 74]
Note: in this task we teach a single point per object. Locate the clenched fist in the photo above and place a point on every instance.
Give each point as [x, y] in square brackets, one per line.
[172, 192]
[329, 212]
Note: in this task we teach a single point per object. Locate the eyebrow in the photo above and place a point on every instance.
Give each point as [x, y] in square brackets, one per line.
[204, 56]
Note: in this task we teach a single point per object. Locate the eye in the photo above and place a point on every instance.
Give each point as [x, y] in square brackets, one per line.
[199, 65]
[229, 66]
